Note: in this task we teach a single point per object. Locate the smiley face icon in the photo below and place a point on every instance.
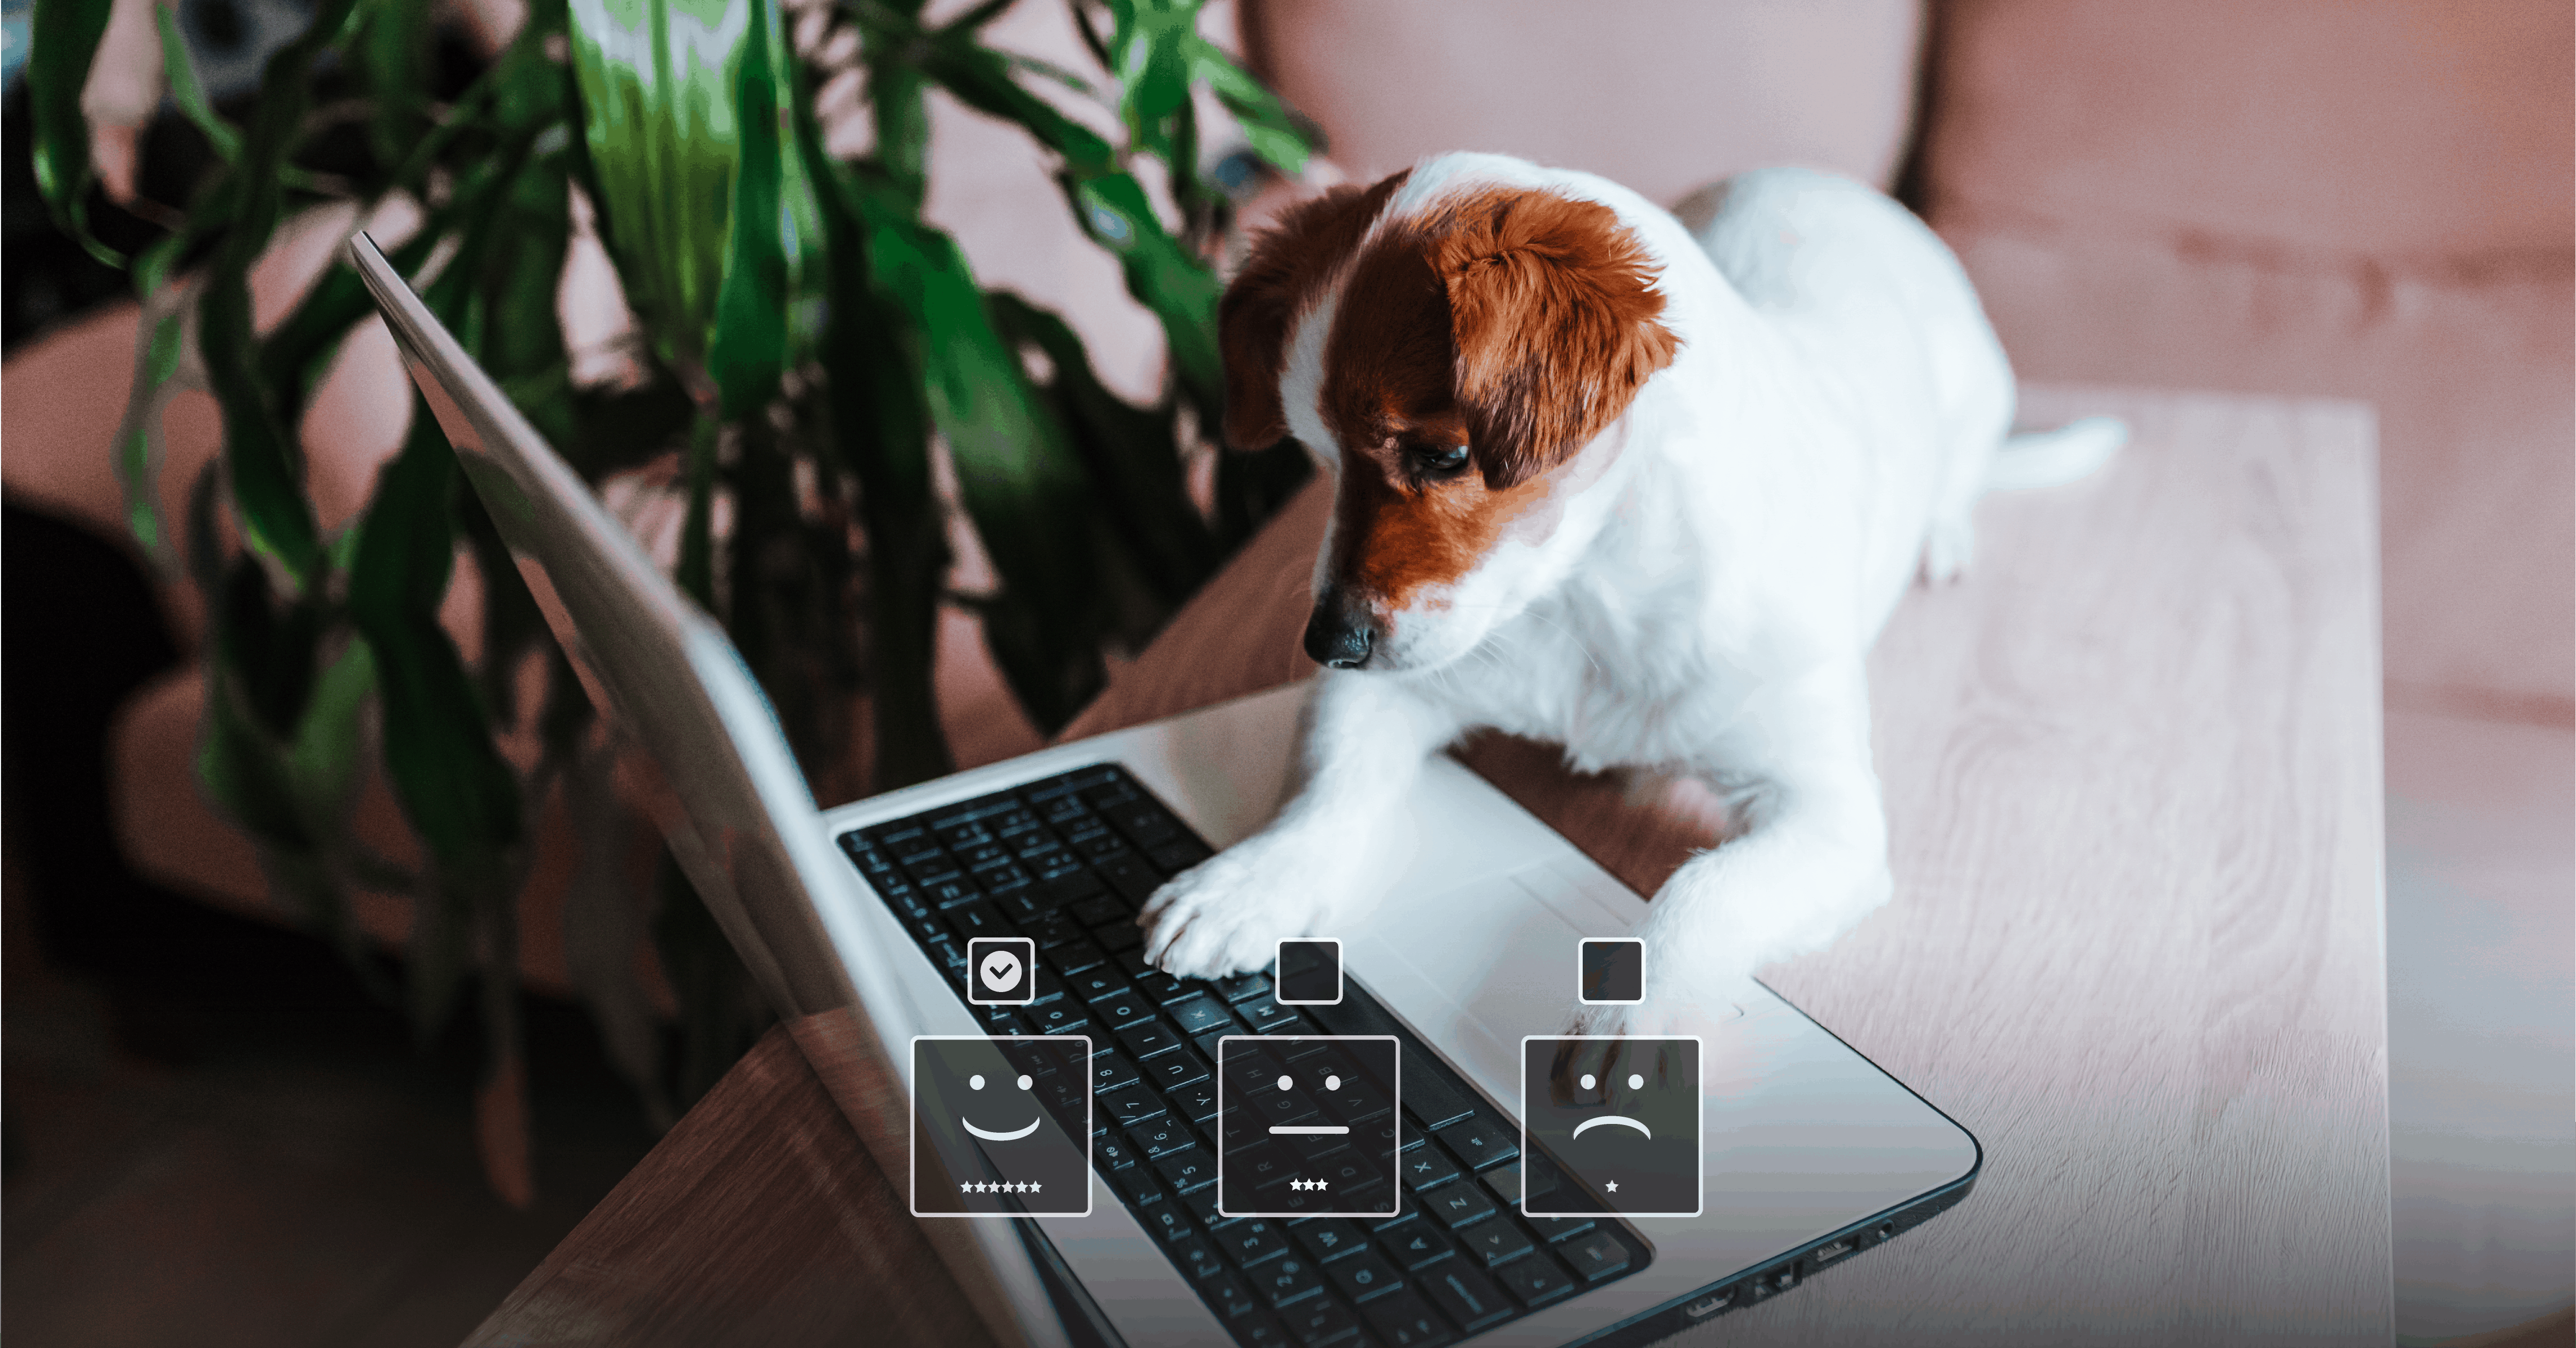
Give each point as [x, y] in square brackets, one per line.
[1001, 1126]
[1619, 1117]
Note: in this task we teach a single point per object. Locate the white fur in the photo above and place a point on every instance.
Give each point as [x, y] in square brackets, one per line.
[1719, 562]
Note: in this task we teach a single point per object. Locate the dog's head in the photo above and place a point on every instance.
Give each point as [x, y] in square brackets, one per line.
[1457, 361]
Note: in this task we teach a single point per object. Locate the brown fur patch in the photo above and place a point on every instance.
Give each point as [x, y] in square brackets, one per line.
[1517, 323]
[1289, 263]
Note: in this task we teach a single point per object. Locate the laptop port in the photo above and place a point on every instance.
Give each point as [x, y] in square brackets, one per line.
[1832, 1250]
[1709, 1305]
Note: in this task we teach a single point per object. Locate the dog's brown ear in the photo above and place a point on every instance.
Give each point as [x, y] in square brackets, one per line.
[1290, 261]
[1557, 321]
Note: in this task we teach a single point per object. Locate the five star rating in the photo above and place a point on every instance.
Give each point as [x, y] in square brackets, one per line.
[972, 1187]
[1310, 1184]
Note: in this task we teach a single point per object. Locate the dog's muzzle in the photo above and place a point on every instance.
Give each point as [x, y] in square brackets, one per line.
[1341, 634]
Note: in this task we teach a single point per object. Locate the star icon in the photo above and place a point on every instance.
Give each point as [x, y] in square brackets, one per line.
[965, 1188]
[1612, 1186]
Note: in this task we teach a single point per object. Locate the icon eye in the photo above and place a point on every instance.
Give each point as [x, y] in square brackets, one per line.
[1589, 1080]
[1636, 1082]
[1332, 1083]
[1024, 1081]
[975, 1082]
[1285, 1084]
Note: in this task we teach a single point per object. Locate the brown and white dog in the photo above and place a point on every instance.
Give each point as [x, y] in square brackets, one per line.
[1642, 489]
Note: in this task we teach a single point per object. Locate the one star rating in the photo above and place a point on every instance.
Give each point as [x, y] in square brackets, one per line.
[1612, 1186]
[1310, 1184]
[981, 1187]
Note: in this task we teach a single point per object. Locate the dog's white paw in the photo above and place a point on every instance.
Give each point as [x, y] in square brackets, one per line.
[1228, 913]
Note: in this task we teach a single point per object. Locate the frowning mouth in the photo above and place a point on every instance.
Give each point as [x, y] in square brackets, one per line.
[1000, 1137]
[1620, 1119]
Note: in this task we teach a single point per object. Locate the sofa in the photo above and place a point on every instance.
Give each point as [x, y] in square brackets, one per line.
[2366, 199]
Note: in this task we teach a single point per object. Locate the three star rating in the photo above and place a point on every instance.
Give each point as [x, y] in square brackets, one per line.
[1029, 1187]
[1310, 1184]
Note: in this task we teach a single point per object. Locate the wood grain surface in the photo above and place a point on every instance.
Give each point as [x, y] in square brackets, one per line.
[2133, 774]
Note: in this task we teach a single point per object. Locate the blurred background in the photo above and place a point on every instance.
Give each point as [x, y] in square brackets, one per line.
[231, 1117]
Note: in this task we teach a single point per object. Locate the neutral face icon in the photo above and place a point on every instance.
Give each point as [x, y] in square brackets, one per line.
[1306, 1127]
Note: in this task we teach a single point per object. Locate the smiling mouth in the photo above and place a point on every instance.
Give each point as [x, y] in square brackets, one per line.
[1620, 1119]
[1000, 1137]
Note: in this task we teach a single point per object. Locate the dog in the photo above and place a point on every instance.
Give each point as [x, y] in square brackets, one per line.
[1644, 489]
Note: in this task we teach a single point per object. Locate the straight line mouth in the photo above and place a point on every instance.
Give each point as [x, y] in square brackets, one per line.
[1310, 1129]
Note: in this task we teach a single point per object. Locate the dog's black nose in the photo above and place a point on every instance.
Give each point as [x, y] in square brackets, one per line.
[1340, 633]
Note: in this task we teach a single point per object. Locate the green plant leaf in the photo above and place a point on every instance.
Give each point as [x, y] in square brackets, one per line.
[748, 347]
[322, 760]
[455, 789]
[138, 436]
[1150, 47]
[1017, 475]
[392, 53]
[981, 79]
[1272, 133]
[276, 519]
[242, 773]
[1178, 288]
[187, 94]
[63, 41]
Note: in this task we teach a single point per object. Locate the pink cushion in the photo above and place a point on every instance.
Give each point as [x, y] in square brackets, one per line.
[2368, 200]
[1662, 95]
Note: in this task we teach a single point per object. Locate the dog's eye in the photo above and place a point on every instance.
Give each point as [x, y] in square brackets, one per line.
[1439, 460]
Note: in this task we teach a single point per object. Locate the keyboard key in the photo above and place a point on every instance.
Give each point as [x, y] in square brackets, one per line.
[1198, 1015]
[1178, 855]
[1187, 1170]
[1535, 1281]
[1099, 909]
[1365, 1275]
[1162, 1137]
[1069, 881]
[1199, 1258]
[1065, 1016]
[1596, 1256]
[1074, 958]
[1129, 875]
[1328, 1238]
[1269, 1017]
[1554, 1229]
[1426, 1168]
[1497, 1243]
[1458, 1205]
[1358, 1100]
[1406, 1321]
[1130, 1107]
[1097, 982]
[1468, 1296]
[1171, 1071]
[1202, 1205]
[1231, 1295]
[1109, 1151]
[1318, 1323]
[1480, 1142]
[1291, 1280]
[1145, 1040]
[1056, 929]
[1119, 937]
[970, 920]
[1260, 1330]
[1195, 1103]
[1154, 983]
[1123, 1008]
[1252, 1243]
[1111, 1071]
[1168, 1220]
[1415, 1243]
[1243, 987]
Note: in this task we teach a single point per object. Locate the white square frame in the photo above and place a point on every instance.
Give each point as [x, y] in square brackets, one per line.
[912, 1130]
[1699, 1125]
[1029, 962]
[1341, 974]
[1395, 1105]
[1639, 999]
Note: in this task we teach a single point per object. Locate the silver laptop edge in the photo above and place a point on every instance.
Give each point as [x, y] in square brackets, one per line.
[1804, 1137]
[740, 820]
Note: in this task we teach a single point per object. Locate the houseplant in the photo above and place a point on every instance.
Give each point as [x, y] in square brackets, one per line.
[811, 345]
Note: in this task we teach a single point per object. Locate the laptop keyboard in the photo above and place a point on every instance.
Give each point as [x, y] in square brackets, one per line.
[1067, 861]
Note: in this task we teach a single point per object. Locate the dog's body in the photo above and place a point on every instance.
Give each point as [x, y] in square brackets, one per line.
[1711, 461]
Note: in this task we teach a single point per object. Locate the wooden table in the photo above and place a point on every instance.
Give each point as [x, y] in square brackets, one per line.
[2133, 772]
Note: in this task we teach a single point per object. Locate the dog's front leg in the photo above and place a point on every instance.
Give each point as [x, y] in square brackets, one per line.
[1365, 737]
[1810, 863]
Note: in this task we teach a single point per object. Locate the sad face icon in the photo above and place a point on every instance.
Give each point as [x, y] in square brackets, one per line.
[1616, 1123]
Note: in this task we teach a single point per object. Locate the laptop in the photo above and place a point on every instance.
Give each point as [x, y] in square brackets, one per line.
[869, 924]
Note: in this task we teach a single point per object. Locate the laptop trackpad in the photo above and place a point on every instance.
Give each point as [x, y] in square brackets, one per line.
[1476, 967]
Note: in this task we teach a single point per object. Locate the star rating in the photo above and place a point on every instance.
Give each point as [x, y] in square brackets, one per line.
[1310, 1184]
[1020, 1187]
[1612, 1186]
